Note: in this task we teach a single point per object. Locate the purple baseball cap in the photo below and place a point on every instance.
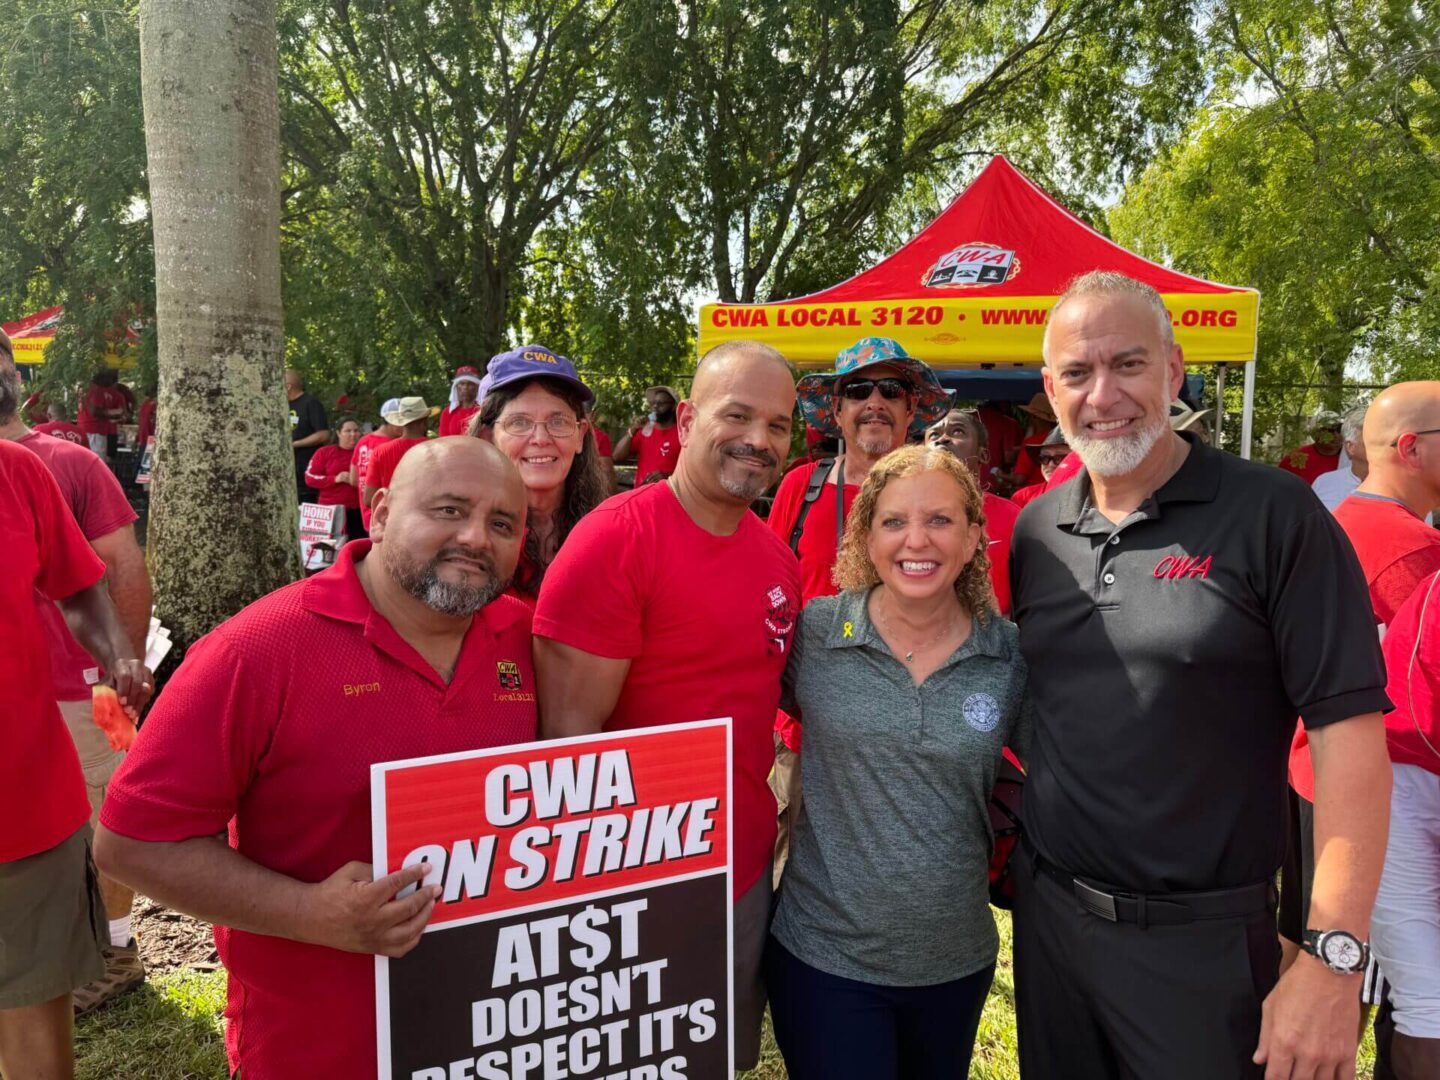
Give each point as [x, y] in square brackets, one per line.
[530, 362]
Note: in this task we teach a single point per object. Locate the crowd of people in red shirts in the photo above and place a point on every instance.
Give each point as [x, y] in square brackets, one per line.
[1153, 635]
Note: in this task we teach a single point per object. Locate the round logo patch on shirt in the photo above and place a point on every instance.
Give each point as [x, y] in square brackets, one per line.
[981, 712]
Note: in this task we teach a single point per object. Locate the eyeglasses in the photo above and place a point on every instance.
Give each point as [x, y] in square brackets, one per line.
[560, 427]
[890, 389]
[1053, 459]
[1417, 434]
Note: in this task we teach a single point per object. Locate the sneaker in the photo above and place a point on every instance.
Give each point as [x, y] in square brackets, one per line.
[124, 971]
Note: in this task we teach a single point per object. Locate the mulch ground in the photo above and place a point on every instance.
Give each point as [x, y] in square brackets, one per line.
[170, 941]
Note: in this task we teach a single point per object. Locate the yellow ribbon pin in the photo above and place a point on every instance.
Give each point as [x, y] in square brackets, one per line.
[849, 629]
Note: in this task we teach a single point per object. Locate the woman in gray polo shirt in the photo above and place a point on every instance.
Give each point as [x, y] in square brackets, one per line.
[908, 685]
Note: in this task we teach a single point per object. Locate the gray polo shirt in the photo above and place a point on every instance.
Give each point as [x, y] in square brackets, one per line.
[887, 879]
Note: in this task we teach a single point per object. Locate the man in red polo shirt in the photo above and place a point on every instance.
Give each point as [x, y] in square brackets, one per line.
[673, 602]
[51, 915]
[270, 726]
[101, 409]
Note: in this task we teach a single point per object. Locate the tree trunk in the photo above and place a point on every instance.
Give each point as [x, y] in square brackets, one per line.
[223, 520]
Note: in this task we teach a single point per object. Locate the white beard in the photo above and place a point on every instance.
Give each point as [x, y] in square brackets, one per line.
[1116, 457]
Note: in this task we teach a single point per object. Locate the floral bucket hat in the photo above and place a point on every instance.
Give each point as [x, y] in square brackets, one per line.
[816, 393]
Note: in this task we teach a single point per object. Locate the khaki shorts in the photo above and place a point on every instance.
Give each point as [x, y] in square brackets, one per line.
[97, 760]
[52, 923]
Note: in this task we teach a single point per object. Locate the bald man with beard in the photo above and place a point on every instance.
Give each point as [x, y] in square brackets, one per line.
[270, 727]
[674, 602]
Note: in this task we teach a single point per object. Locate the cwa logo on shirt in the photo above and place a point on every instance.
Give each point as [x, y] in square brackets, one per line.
[780, 610]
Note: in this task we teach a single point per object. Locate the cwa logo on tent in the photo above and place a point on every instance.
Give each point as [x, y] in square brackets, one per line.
[972, 264]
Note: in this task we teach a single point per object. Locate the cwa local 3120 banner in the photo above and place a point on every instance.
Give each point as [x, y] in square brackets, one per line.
[585, 927]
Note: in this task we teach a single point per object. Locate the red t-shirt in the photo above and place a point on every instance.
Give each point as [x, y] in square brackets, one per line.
[270, 726]
[146, 422]
[327, 463]
[656, 452]
[42, 790]
[602, 444]
[1414, 685]
[1307, 462]
[97, 398]
[1000, 517]
[99, 505]
[1028, 493]
[1397, 551]
[1002, 434]
[383, 460]
[456, 421]
[706, 622]
[364, 451]
[63, 429]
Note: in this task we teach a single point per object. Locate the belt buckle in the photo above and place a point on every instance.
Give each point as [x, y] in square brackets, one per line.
[1094, 901]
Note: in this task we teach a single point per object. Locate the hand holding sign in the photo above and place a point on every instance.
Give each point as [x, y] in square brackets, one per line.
[352, 912]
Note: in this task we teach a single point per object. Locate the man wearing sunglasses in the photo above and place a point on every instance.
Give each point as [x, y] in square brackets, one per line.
[876, 396]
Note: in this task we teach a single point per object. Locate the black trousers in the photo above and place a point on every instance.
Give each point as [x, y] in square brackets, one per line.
[1097, 1000]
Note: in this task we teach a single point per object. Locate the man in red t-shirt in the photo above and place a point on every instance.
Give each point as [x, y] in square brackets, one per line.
[963, 433]
[464, 402]
[105, 517]
[673, 602]
[411, 418]
[1384, 520]
[270, 726]
[1003, 435]
[49, 901]
[365, 450]
[652, 440]
[61, 428]
[1322, 454]
[101, 408]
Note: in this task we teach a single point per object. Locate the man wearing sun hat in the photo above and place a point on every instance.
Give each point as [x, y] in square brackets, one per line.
[877, 395]
[412, 417]
[1321, 454]
[464, 401]
[365, 450]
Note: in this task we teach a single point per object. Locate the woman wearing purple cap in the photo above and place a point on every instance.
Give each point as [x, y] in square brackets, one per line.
[533, 410]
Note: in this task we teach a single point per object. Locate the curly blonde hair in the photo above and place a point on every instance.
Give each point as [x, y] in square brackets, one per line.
[853, 568]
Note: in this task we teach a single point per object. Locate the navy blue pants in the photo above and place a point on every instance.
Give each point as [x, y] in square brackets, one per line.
[830, 1028]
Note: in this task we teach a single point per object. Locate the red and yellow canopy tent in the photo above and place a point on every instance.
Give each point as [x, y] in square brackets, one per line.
[31, 335]
[974, 289]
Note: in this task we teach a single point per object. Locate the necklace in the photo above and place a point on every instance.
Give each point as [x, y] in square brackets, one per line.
[910, 656]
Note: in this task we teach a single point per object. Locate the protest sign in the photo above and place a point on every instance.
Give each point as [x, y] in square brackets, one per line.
[584, 930]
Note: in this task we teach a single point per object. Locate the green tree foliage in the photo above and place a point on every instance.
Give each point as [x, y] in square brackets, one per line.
[802, 127]
[1313, 174]
[74, 225]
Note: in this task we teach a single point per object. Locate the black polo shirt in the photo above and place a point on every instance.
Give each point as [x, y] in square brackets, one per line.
[1169, 657]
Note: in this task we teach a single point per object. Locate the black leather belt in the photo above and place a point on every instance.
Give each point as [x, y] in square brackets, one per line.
[1157, 909]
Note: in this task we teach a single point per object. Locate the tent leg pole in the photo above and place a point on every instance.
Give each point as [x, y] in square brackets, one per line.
[1220, 406]
[1247, 415]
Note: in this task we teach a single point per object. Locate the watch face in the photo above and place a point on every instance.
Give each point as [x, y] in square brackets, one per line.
[1342, 951]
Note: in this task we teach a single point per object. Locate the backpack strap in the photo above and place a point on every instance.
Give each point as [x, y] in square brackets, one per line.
[812, 493]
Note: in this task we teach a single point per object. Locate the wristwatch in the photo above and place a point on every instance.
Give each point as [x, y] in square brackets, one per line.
[1341, 952]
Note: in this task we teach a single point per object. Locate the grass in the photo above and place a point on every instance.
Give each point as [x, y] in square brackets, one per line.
[170, 1030]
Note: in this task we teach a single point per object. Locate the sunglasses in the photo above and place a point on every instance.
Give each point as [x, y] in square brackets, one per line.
[890, 389]
[1053, 459]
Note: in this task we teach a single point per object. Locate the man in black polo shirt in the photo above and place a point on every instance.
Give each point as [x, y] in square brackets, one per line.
[1178, 608]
